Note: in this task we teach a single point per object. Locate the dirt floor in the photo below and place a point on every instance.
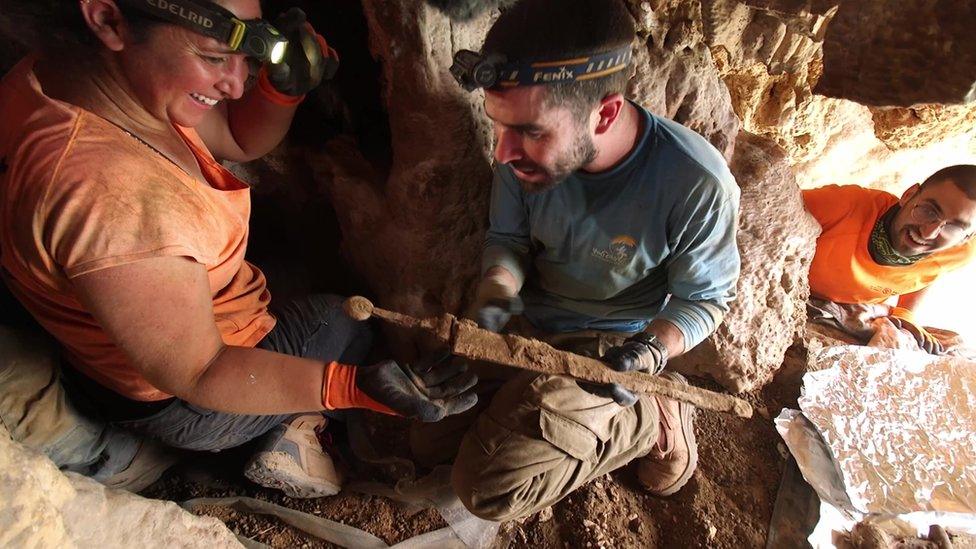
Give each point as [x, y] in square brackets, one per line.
[727, 504]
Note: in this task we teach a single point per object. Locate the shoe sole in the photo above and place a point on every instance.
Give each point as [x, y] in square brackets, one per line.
[278, 470]
[687, 417]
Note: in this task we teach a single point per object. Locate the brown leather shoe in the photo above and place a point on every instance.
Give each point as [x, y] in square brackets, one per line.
[674, 458]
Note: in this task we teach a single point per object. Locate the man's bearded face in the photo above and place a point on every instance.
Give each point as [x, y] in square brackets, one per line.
[932, 219]
[543, 145]
[576, 155]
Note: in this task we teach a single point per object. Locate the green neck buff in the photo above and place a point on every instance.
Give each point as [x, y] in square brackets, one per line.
[880, 243]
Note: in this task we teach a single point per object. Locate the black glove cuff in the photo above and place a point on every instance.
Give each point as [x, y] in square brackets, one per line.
[655, 344]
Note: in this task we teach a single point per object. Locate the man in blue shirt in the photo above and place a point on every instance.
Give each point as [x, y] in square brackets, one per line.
[613, 233]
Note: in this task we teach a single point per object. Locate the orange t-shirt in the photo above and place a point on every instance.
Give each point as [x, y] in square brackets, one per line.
[77, 194]
[843, 270]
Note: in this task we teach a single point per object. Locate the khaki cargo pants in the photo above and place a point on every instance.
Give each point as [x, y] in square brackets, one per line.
[536, 438]
[35, 411]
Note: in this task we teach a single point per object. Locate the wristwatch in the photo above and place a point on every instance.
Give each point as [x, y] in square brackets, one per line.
[651, 340]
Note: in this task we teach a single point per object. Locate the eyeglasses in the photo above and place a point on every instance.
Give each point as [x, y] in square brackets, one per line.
[926, 215]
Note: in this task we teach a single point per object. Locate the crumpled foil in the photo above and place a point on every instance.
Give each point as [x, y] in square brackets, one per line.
[900, 425]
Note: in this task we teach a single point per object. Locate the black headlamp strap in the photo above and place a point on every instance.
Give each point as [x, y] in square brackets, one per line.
[566, 70]
[202, 17]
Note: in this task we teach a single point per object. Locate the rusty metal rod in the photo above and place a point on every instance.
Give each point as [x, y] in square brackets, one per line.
[467, 340]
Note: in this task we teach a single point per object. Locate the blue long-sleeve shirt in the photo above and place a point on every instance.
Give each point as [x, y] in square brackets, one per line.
[653, 237]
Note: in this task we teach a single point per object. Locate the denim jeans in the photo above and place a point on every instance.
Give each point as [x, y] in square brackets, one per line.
[312, 327]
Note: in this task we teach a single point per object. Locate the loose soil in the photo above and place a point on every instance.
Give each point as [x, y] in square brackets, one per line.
[727, 504]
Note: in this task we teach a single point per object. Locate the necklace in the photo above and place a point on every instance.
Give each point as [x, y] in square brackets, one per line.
[152, 148]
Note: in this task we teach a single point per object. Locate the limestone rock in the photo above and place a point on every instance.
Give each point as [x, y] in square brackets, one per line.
[675, 75]
[41, 507]
[413, 228]
[922, 125]
[776, 240]
[918, 52]
[783, 35]
[33, 493]
[839, 141]
[767, 55]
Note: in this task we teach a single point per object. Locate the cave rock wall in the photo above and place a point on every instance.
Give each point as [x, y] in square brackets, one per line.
[776, 239]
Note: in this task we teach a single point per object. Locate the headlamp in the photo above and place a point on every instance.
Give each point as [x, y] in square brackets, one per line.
[254, 38]
[473, 71]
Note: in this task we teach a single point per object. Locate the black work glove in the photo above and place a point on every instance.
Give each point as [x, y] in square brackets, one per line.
[307, 60]
[429, 391]
[494, 305]
[640, 353]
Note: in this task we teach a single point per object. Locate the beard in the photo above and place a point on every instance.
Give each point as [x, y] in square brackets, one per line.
[579, 154]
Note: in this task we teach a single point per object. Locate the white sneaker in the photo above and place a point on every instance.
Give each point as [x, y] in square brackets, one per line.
[293, 460]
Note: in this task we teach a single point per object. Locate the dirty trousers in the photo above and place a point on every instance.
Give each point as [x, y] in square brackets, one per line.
[35, 410]
[538, 438]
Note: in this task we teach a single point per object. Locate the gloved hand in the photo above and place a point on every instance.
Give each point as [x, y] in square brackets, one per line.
[641, 352]
[494, 304]
[307, 60]
[428, 391]
[926, 341]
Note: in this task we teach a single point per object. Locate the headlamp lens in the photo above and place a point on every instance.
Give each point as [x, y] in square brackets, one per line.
[278, 51]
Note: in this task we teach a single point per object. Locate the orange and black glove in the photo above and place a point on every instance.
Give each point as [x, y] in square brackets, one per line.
[308, 59]
[903, 319]
[428, 391]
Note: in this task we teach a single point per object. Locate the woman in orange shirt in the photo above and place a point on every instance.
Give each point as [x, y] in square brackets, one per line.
[125, 238]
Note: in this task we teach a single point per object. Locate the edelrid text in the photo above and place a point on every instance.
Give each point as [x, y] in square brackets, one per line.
[182, 12]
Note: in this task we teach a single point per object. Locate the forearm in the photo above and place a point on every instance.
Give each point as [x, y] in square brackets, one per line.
[504, 277]
[669, 334]
[243, 380]
[693, 320]
[257, 124]
[498, 258]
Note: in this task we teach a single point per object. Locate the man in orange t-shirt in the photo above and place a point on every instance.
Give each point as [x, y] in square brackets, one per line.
[874, 246]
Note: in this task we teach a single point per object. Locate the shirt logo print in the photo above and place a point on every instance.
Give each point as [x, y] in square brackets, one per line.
[619, 253]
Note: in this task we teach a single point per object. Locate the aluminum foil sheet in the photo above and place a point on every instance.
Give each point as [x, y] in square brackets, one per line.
[901, 427]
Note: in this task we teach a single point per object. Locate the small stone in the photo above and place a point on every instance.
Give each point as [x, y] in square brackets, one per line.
[634, 522]
[589, 524]
[712, 531]
[784, 452]
[544, 515]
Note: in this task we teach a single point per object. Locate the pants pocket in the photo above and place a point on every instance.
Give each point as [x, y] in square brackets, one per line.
[490, 434]
[572, 438]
